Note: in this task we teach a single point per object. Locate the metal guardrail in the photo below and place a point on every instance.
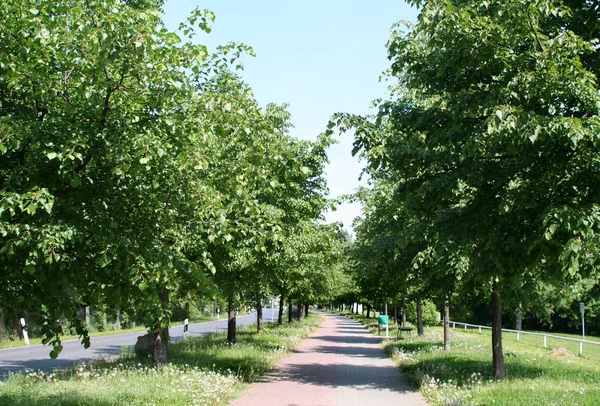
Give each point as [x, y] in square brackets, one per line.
[519, 332]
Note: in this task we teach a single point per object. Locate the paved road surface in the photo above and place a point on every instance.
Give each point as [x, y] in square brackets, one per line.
[37, 356]
[340, 364]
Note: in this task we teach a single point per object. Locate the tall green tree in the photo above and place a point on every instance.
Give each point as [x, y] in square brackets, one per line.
[493, 138]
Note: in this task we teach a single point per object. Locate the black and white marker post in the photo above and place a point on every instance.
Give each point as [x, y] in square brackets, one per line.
[185, 329]
[25, 335]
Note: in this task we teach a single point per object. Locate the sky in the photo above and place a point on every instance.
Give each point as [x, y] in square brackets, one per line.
[320, 57]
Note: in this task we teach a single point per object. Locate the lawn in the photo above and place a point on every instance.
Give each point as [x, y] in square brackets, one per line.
[201, 371]
[535, 375]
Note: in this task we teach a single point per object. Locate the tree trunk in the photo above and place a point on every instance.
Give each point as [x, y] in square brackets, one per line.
[446, 323]
[214, 309]
[306, 310]
[86, 311]
[280, 316]
[386, 309]
[395, 310]
[160, 347]
[497, 356]
[259, 314]
[404, 309]
[519, 320]
[368, 311]
[231, 321]
[290, 310]
[299, 315]
[419, 316]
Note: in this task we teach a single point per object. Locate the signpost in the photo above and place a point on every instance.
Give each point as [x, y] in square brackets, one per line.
[582, 310]
[185, 329]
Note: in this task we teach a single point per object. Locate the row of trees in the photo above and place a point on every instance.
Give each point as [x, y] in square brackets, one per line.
[484, 162]
[137, 169]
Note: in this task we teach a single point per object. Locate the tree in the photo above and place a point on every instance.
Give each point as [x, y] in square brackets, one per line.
[492, 136]
[103, 198]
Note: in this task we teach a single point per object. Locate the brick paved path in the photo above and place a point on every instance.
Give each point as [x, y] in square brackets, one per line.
[340, 364]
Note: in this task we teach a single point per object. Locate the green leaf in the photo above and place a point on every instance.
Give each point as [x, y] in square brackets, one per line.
[51, 155]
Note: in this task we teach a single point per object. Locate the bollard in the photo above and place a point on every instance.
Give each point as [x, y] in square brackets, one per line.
[25, 335]
[517, 336]
[580, 348]
[185, 329]
[479, 329]
[545, 346]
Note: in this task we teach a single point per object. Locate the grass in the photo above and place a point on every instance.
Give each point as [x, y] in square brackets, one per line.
[535, 375]
[38, 341]
[201, 371]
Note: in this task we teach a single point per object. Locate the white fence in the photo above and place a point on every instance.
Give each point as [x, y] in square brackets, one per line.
[519, 332]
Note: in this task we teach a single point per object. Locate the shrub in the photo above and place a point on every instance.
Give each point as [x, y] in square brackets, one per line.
[431, 315]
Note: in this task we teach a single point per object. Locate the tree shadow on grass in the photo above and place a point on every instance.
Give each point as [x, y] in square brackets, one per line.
[462, 370]
[65, 398]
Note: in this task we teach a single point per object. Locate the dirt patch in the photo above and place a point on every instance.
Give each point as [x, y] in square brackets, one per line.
[561, 352]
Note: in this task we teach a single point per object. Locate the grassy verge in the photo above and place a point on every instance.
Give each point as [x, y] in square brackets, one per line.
[201, 371]
[535, 375]
[38, 341]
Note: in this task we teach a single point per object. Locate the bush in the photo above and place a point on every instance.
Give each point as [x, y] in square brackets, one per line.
[431, 315]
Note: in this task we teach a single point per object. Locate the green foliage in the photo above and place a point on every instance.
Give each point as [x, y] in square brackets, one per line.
[487, 146]
[431, 315]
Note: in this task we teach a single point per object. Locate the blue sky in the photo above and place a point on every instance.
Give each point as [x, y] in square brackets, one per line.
[320, 57]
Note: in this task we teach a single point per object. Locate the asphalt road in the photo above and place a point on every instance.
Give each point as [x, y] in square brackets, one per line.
[37, 356]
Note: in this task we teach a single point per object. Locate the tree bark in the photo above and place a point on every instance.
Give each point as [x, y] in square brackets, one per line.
[395, 310]
[497, 356]
[160, 346]
[231, 321]
[368, 311]
[306, 310]
[447, 346]
[419, 316]
[290, 310]
[259, 314]
[214, 310]
[280, 316]
[299, 315]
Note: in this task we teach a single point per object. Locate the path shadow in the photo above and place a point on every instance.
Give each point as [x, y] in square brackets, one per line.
[361, 352]
[366, 339]
[359, 377]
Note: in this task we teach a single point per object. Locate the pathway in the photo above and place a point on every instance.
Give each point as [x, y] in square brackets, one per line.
[340, 364]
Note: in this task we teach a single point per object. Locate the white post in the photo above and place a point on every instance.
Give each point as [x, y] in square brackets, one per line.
[545, 342]
[479, 329]
[580, 348]
[25, 335]
[582, 310]
[386, 331]
[453, 325]
[185, 329]
[517, 336]
[465, 327]
[272, 309]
